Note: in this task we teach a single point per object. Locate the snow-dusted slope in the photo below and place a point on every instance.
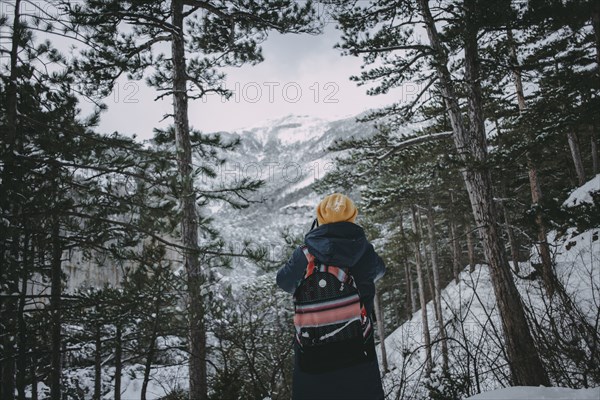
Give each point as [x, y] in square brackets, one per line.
[582, 194]
[289, 153]
[289, 129]
[469, 309]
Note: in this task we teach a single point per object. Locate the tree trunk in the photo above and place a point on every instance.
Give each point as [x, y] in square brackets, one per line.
[34, 380]
[421, 284]
[456, 253]
[547, 272]
[576, 156]
[189, 223]
[149, 360]
[523, 357]
[413, 292]
[516, 70]
[11, 86]
[55, 297]
[410, 307]
[118, 360]
[596, 25]
[470, 247]
[514, 246]
[425, 264]
[409, 302]
[381, 331]
[21, 325]
[412, 295]
[98, 364]
[436, 283]
[7, 201]
[594, 150]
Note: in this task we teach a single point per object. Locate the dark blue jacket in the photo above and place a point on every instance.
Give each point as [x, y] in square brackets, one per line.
[341, 244]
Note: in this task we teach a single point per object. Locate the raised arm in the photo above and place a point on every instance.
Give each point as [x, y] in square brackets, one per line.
[290, 275]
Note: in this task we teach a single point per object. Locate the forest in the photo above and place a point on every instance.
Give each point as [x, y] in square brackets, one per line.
[145, 268]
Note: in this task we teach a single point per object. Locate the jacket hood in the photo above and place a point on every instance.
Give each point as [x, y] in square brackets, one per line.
[341, 243]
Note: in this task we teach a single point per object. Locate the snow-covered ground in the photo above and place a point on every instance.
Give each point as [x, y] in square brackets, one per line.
[583, 194]
[469, 310]
[163, 380]
[539, 393]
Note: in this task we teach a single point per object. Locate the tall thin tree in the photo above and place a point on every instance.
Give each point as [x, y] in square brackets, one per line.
[204, 36]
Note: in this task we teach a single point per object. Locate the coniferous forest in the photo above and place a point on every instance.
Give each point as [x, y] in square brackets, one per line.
[144, 267]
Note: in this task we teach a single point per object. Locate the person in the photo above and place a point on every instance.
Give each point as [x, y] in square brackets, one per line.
[338, 241]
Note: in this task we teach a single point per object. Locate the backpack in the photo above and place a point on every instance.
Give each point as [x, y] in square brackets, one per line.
[333, 329]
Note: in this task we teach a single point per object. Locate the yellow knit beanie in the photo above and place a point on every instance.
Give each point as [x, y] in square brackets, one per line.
[336, 208]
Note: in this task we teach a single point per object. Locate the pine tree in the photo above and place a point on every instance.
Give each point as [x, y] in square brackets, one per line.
[204, 37]
[67, 190]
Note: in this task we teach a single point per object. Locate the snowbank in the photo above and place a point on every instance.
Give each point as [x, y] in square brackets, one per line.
[539, 393]
[583, 193]
[163, 381]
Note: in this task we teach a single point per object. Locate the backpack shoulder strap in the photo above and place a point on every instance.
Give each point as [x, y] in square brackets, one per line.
[341, 273]
[310, 268]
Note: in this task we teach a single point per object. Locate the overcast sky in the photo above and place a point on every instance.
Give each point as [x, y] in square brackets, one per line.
[301, 74]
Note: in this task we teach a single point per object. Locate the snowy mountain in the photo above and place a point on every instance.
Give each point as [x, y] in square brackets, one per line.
[289, 154]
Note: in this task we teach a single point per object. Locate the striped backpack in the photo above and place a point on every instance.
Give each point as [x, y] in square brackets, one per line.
[332, 325]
